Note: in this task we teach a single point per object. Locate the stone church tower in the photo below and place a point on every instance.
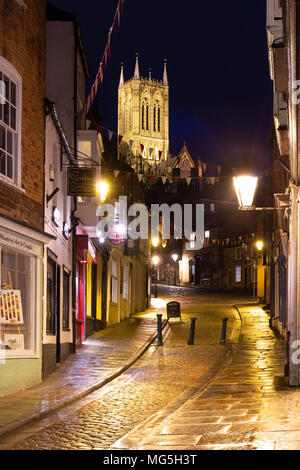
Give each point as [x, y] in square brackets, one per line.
[143, 118]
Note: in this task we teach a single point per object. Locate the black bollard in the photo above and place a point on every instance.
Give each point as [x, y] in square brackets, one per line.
[224, 326]
[159, 330]
[192, 331]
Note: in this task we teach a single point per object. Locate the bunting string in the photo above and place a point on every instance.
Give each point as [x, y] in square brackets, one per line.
[105, 57]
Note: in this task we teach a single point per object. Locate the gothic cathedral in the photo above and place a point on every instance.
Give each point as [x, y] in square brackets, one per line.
[143, 118]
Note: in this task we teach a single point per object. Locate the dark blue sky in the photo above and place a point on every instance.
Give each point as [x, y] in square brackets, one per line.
[220, 90]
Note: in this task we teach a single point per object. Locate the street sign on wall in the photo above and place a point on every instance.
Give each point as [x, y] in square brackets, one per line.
[81, 181]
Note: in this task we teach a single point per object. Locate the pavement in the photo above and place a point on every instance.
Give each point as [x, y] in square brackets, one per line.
[246, 405]
[104, 356]
[204, 396]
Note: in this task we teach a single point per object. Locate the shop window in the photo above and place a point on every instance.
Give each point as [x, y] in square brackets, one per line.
[18, 303]
[66, 300]
[238, 274]
[10, 122]
[114, 282]
[126, 271]
[51, 297]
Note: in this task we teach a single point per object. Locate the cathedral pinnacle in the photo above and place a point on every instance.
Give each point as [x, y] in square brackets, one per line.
[121, 76]
[165, 78]
[136, 70]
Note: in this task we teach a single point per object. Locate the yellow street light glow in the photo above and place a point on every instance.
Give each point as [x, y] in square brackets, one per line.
[259, 245]
[102, 190]
[245, 187]
[155, 242]
[155, 260]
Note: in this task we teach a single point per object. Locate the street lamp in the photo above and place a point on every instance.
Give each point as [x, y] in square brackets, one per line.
[259, 245]
[155, 242]
[155, 261]
[102, 190]
[245, 187]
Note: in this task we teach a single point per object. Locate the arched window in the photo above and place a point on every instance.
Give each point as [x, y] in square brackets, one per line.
[154, 118]
[10, 122]
[147, 117]
[143, 116]
[158, 118]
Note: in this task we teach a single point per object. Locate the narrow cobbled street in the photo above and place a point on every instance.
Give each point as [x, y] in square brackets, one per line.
[164, 378]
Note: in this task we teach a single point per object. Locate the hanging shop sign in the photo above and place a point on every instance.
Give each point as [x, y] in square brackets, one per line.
[81, 181]
[131, 247]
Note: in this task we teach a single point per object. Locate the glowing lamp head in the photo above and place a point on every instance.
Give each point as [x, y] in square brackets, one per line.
[245, 187]
[155, 242]
[102, 190]
[155, 260]
[259, 245]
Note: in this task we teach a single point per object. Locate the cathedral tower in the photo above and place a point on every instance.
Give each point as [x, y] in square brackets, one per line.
[143, 117]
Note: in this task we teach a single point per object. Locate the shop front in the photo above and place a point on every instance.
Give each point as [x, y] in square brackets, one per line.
[21, 259]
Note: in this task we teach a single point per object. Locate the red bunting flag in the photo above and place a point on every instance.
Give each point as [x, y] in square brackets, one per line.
[200, 180]
[159, 154]
[120, 139]
[178, 160]
[176, 180]
[121, 6]
[195, 164]
[98, 128]
[142, 147]
[151, 178]
[128, 175]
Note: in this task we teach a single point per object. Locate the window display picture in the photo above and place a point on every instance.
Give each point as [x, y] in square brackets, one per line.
[11, 311]
[14, 342]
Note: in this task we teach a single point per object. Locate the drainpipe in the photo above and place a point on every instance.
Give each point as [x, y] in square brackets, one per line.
[74, 198]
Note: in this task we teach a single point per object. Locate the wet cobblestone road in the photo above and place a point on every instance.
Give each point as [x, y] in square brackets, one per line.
[163, 376]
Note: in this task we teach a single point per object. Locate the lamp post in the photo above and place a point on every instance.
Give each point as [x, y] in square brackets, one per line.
[175, 258]
[155, 261]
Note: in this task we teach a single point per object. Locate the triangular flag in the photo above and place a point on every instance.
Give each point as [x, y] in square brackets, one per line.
[98, 128]
[188, 180]
[150, 151]
[151, 179]
[212, 180]
[128, 175]
[140, 177]
[120, 139]
[121, 6]
[219, 169]
[212, 167]
[130, 144]
[204, 167]
[87, 123]
[110, 134]
[175, 180]
[159, 154]
[142, 147]
[164, 179]
[178, 160]
[116, 173]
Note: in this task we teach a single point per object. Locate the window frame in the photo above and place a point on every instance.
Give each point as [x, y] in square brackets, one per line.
[11, 73]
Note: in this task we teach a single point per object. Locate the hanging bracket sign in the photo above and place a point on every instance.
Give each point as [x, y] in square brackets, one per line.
[81, 181]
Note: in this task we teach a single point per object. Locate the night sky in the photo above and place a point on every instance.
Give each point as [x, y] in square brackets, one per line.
[220, 90]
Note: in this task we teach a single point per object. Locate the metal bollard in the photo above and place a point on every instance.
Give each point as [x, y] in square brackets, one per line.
[192, 331]
[159, 330]
[224, 326]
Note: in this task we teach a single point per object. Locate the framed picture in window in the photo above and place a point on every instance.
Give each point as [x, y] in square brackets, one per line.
[14, 342]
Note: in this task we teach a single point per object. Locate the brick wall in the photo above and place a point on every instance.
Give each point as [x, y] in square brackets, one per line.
[22, 43]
